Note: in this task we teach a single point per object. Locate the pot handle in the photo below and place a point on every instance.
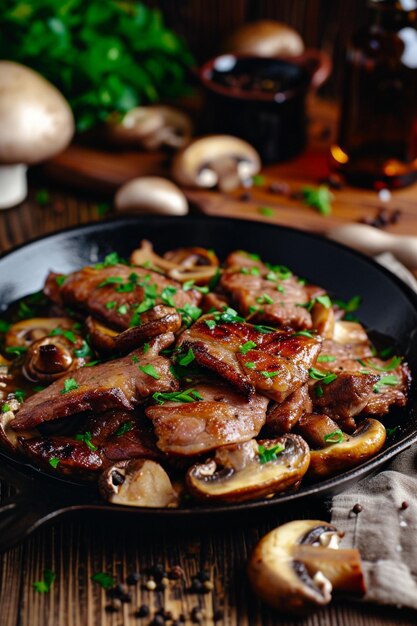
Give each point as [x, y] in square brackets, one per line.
[317, 63]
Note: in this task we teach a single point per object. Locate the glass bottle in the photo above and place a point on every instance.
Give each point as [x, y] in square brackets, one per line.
[377, 144]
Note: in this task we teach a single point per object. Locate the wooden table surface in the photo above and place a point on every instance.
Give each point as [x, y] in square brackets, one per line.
[75, 549]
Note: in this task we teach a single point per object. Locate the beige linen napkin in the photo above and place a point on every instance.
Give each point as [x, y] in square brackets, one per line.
[385, 530]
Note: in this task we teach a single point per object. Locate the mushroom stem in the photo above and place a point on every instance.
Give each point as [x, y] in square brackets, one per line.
[13, 185]
[227, 173]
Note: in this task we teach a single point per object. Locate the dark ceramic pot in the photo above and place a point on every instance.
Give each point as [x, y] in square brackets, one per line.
[273, 120]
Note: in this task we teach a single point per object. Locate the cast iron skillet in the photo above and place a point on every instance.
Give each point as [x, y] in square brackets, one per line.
[388, 306]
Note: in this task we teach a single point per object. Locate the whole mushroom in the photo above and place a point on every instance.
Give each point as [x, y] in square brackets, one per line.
[151, 194]
[216, 160]
[295, 567]
[266, 38]
[35, 124]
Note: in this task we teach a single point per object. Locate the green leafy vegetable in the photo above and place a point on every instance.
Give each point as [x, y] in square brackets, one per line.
[105, 57]
[54, 462]
[70, 384]
[186, 359]
[325, 358]
[43, 586]
[124, 428]
[249, 345]
[86, 438]
[319, 198]
[150, 371]
[103, 579]
[324, 377]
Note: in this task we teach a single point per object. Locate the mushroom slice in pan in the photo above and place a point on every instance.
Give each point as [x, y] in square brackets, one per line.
[251, 470]
[216, 160]
[341, 452]
[25, 332]
[8, 437]
[49, 358]
[295, 567]
[140, 482]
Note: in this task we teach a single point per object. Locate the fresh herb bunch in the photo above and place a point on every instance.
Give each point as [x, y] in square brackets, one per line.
[103, 55]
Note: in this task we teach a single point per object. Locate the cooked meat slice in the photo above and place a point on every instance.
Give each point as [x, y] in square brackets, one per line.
[52, 289]
[282, 417]
[220, 418]
[392, 378]
[68, 456]
[118, 384]
[277, 365]
[344, 397]
[213, 301]
[122, 435]
[268, 294]
[119, 294]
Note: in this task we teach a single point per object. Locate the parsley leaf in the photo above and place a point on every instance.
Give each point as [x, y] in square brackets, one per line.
[319, 198]
[70, 384]
[86, 438]
[43, 586]
[186, 359]
[103, 579]
[324, 377]
[269, 454]
[124, 428]
[150, 371]
[325, 358]
[54, 462]
[249, 345]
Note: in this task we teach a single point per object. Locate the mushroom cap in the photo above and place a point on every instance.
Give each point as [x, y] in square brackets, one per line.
[295, 567]
[195, 165]
[364, 443]
[151, 194]
[236, 474]
[36, 121]
[265, 38]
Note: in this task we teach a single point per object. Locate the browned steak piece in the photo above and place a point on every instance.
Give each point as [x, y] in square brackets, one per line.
[221, 417]
[281, 418]
[64, 454]
[121, 383]
[274, 363]
[120, 293]
[269, 294]
[122, 435]
[387, 382]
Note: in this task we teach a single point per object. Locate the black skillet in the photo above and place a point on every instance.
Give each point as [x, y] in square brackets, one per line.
[388, 307]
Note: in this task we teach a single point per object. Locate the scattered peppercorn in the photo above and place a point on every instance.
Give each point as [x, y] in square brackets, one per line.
[158, 620]
[133, 578]
[383, 218]
[280, 189]
[404, 505]
[203, 575]
[143, 611]
[357, 509]
[196, 586]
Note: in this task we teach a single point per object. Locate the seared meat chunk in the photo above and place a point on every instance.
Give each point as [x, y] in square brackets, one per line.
[221, 417]
[123, 435]
[268, 294]
[68, 455]
[274, 363]
[119, 294]
[121, 383]
[282, 417]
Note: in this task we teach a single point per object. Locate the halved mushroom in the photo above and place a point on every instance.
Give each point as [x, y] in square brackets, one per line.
[200, 274]
[340, 452]
[295, 567]
[216, 160]
[23, 333]
[101, 337]
[323, 320]
[350, 333]
[250, 470]
[140, 482]
[49, 358]
[151, 127]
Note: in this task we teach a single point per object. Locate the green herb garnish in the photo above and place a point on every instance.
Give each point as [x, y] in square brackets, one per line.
[190, 313]
[335, 437]
[392, 365]
[264, 299]
[110, 260]
[186, 359]
[324, 377]
[249, 345]
[68, 334]
[5, 407]
[304, 333]
[250, 365]
[269, 454]
[167, 295]
[150, 371]
[70, 384]
[19, 394]
[146, 348]
[44, 586]
[103, 579]
[83, 352]
[54, 462]
[325, 358]
[188, 395]
[210, 323]
[319, 198]
[86, 438]
[266, 210]
[60, 280]
[269, 374]
[386, 380]
[264, 329]
[122, 309]
[16, 350]
[124, 428]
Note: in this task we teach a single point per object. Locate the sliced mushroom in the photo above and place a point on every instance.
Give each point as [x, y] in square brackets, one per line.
[216, 160]
[49, 358]
[295, 567]
[353, 450]
[323, 320]
[350, 333]
[151, 194]
[140, 482]
[102, 338]
[192, 258]
[266, 38]
[23, 333]
[151, 127]
[251, 470]
[8, 437]
[200, 274]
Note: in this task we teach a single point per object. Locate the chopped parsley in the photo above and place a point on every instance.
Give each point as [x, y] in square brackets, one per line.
[110, 305]
[5, 407]
[86, 438]
[323, 300]
[135, 359]
[54, 462]
[250, 365]
[326, 358]
[188, 395]
[319, 198]
[350, 306]
[19, 394]
[124, 428]
[210, 323]
[110, 260]
[189, 284]
[122, 309]
[252, 271]
[190, 313]
[249, 345]
[16, 350]
[269, 374]
[60, 280]
[258, 180]
[391, 431]
[269, 454]
[167, 295]
[264, 299]
[266, 210]
[324, 377]
[70, 384]
[227, 316]
[84, 351]
[146, 348]
[281, 272]
[44, 586]
[68, 334]
[186, 359]
[103, 579]
[335, 437]
[214, 281]
[318, 390]
[150, 371]
[386, 380]
[4, 326]
[111, 280]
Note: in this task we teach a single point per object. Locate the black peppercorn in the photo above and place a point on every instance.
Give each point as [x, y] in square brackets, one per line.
[143, 611]
[357, 509]
[133, 578]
